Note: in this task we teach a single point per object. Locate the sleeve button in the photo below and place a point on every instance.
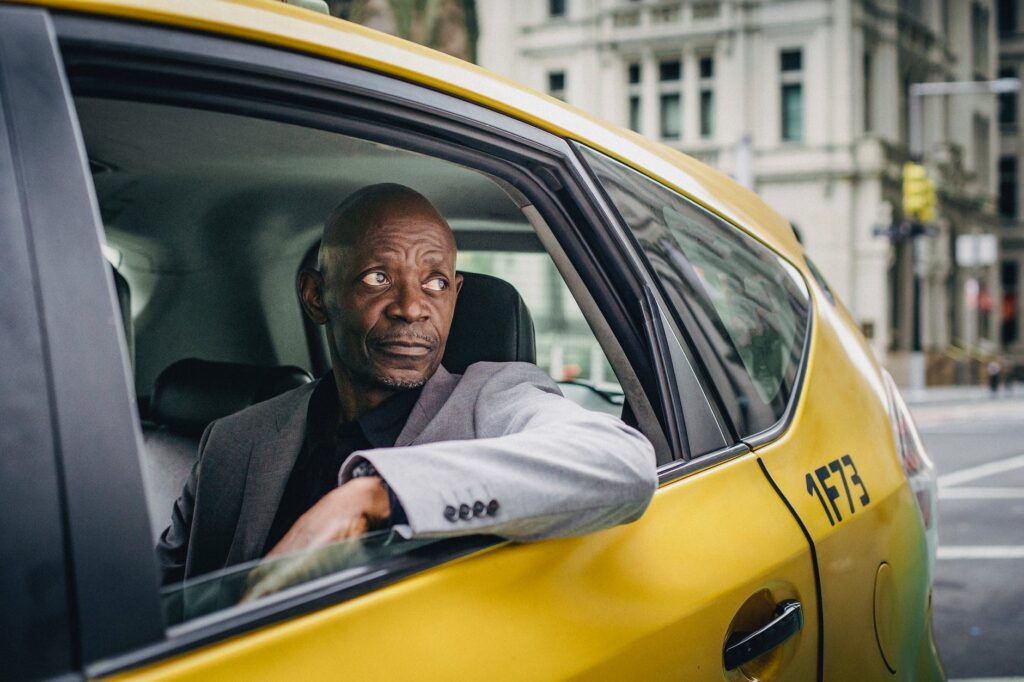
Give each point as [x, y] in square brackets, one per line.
[492, 507]
[479, 508]
[450, 513]
[464, 511]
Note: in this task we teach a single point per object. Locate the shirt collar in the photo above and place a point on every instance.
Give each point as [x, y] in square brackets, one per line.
[382, 425]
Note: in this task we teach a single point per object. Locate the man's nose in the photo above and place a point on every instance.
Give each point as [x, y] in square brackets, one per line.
[407, 303]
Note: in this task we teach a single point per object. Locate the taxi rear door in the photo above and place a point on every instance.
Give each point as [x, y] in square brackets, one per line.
[838, 468]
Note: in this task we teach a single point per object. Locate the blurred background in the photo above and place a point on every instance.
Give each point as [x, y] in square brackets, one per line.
[815, 105]
[888, 132]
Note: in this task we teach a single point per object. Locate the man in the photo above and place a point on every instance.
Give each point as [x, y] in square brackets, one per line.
[389, 437]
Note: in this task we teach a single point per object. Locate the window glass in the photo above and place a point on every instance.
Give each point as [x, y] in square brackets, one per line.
[792, 112]
[556, 84]
[745, 308]
[671, 116]
[707, 113]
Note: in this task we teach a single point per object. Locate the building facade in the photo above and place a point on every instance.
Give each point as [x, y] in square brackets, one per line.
[1010, 21]
[806, 101]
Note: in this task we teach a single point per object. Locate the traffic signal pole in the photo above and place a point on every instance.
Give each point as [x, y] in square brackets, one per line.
[915, 133]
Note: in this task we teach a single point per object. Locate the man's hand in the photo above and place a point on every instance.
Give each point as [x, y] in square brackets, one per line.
[347, 511]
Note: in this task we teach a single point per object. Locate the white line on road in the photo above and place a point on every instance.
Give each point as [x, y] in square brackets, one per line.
[981, 493]
[982, 471]
[982, 552]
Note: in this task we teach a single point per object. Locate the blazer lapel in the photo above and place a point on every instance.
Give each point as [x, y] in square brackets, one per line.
[270, 465]
[435, 394]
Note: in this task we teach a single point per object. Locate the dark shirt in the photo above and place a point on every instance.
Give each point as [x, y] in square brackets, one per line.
[316, 470]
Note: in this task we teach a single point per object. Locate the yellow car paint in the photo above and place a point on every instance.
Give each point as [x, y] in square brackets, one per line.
[842, 411]
[647, 601]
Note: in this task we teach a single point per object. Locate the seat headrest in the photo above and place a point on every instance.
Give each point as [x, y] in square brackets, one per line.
[191, 393]
[491, 322]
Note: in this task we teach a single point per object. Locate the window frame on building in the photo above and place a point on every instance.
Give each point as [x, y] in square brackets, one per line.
[556, 83]
[1009, 189]
[634, 95]
[706, 93]
[791, 85]
[670, 89]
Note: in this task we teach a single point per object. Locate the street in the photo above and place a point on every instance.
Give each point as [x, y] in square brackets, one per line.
[977, 444]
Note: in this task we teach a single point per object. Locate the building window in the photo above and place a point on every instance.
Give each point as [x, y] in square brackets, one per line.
[867, 92]
[556, 8]
[1007, 17]
[979, 40]
[670, 70]
[792, 95]
[671, 116]
[635, 113]
[1010, 276]
[634, 76]
[707, 97]
[556, 84]
[982, 156]
[1008, 188]
[1008, 102]
[670, 100]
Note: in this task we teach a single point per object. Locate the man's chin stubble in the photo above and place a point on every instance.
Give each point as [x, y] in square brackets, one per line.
[401, 385]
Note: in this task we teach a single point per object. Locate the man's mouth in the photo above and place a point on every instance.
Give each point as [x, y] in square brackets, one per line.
[405, 347]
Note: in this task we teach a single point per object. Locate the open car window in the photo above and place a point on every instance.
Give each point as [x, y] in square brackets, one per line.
[208, 216]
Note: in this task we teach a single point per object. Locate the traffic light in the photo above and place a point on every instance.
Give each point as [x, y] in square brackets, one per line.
[918, 193]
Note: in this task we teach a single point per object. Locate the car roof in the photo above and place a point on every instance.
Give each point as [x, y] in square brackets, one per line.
[275, 23]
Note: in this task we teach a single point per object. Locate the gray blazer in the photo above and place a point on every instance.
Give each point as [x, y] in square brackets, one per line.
[500, 439]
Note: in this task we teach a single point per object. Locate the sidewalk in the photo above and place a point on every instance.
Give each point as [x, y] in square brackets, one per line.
[935, 395]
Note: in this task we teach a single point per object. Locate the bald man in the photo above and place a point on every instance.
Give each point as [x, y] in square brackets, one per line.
[391, 438]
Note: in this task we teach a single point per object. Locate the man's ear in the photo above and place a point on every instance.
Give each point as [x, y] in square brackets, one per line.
[458, 284]
[311, 295]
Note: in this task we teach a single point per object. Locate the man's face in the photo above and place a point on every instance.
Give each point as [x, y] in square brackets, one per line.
[389, 297]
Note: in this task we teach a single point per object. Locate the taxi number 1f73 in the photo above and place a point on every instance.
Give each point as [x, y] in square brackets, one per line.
[824, 483]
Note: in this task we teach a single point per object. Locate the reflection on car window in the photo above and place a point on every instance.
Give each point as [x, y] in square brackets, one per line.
[355, 558]
[744, 307]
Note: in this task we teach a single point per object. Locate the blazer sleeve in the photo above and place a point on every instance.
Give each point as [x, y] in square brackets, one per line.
[172, 547]
[541, 466]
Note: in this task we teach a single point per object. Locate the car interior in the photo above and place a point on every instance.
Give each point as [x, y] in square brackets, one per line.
[209, 217]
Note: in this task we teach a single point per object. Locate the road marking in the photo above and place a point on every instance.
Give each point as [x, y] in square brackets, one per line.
[981, 552]
[988, 679]
[948, 493]
[981, 471]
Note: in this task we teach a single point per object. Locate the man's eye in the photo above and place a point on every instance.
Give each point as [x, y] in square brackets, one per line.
[436, 284]
[375, 279]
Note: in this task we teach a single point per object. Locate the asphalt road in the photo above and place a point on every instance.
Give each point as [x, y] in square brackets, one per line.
[978, 599]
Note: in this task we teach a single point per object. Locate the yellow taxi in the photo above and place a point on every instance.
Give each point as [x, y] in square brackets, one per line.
[165, 169]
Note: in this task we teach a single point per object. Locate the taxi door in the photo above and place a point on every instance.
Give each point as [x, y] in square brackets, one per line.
[838, 468]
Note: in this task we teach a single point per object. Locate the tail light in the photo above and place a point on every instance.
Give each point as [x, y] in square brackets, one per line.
[917, 466]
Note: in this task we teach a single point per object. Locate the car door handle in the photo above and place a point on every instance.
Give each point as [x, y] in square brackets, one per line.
[743, 647]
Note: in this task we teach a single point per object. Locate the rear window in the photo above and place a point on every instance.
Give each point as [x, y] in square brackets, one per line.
[744, 308]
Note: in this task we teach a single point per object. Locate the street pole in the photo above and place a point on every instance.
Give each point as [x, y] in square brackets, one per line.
[915, 133]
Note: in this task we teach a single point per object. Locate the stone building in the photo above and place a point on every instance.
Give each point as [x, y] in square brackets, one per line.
[1010, 22]
[807, 102]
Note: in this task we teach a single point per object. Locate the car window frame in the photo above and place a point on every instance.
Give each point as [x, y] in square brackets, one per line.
[740, 443]
[39, 638]
[552, 175]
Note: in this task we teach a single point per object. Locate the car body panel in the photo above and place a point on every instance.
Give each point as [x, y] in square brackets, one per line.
[274, 23]
[843, 412]
[631, 602]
